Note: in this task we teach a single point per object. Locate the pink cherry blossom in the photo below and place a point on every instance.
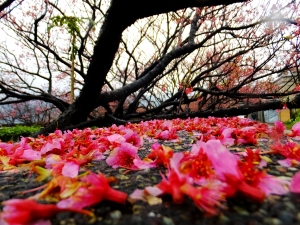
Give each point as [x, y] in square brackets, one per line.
[95, 190]
[51, 160]
[19, 211]
[116, 138]
[30, 154]
[144, 164]
[160, 154]
[224, 162]
[70, 169]
[138, 194]
[295, 130]
[295, 183]
[167, 125]
[226, 137]
[29, 212]
[133, 138]
[272, 185]
[50, 146]
[21, 147]
[172, 186]
[206, 198]
[166, 134]
[155, 191]
[7, 147]
[288, 162]
[126, 156]
[277, 131]
[188, 90]
[82, 198]
[122, 156]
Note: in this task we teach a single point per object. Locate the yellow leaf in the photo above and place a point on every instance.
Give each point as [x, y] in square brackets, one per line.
[50, 186]
[70, 190]
[42, 172]
[152, 200]
[267, 159]
[5, 161]
[177, 147]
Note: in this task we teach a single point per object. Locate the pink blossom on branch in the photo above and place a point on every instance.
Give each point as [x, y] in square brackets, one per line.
[188, 90]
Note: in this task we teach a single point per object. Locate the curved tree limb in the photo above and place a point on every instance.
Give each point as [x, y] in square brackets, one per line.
[108, 120]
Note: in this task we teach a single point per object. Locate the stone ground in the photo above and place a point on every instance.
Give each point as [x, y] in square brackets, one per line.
[275, 210]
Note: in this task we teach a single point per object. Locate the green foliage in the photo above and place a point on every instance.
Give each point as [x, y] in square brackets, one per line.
[288, 124]
[14, 133]
[293, 120]
[70, 22]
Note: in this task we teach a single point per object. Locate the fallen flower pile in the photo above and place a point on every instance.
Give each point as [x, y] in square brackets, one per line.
[207, 172]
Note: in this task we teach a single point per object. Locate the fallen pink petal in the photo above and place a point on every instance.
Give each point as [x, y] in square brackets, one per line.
[295, 183]
[30, 154]
[70, 169]
[123, 156]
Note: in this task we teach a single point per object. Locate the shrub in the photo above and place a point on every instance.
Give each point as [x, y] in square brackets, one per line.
[14, 133]
[293, 120]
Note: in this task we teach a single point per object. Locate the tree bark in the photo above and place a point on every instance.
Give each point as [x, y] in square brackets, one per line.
[6, 4]
[119, 16]
[108, 120]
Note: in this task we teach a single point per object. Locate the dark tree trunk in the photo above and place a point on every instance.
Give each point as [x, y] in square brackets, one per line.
[119, 16]
[6, 4]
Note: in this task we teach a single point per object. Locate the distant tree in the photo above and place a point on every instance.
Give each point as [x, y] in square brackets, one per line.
[28, 113]
[136, 60]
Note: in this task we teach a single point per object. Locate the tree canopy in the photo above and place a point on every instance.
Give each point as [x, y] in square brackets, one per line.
[138, 60]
